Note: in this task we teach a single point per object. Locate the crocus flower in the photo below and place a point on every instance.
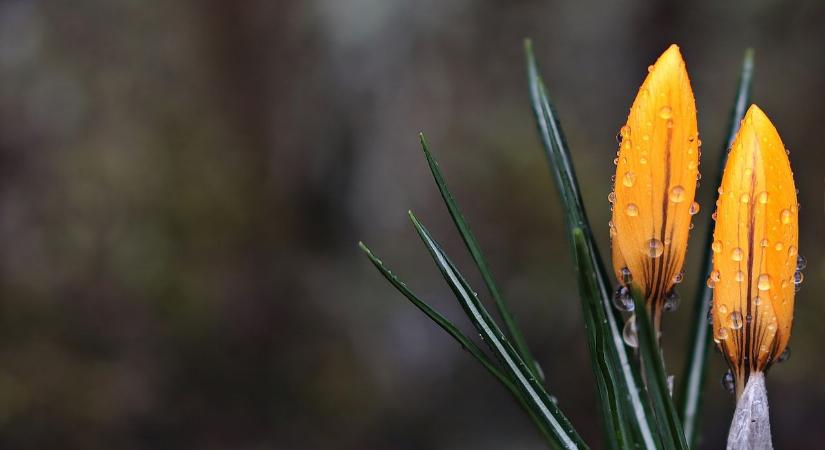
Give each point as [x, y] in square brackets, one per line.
[756, 269]
[653, 196]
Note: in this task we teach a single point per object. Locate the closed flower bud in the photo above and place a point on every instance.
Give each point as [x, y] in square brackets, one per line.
[755, 250]
[656, 172]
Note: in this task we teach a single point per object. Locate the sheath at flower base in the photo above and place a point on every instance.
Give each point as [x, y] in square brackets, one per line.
[755, 269]
[653, 197]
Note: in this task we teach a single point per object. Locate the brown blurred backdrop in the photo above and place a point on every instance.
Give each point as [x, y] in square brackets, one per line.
[183, 184]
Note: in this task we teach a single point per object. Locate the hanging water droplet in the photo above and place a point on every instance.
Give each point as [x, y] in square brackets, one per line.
[716, 275]
[677, 194]
[627, 276]
[671, 302]
[654, 248]
[629, 332]
[666, 112]
[611, 197]
[650, 68]
[763, 197]
[785, 216]
[631, 210]
[739, 276]
[736, 320]
[801, 262]
[694, 208]
[679, 277]
[716, 246]
[728, 382]
[622, 299]
[736, 254]
[713, 216]
[784, 355]
[798, 277]
[615, 161]
[763, 283]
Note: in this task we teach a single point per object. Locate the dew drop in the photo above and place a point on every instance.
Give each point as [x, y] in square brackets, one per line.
[632, 210]
[739, 276]
[728, 383]
[763, 283]
[801, 262]
[778, 247]
[629, 332]
[677, 194]
[757, 301]
[650, 68]
[748, 172]
[791, 250]
[763, 197]
[611, 197]
[628, 179]
[744, 198]
[711, 284]
[722, 309]
[627, 276]
[736, 254]
[654, 248]
[694, 209]
[679, 277]
[666, 112]
[736, 321]
[798, 277]
[785, 216]
[691, 165]
[722, 333]
[622, 299]
[716, 246]
[763, 243]
[671, 301]
[625, 131]
[615, 161]
[714, 215]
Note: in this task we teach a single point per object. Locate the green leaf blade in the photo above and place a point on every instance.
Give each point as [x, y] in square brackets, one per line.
[555, 423]
[470, 242]
[634, 411]
[690, 398]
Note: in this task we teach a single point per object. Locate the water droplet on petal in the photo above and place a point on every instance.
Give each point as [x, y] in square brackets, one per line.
[716, 246]
[632, 210]
[628, 179]
[739, 276]
[744, 198]
[629, 332]
[622, 300]
[778, 247]
[798, 277]
[763, 197]
[654, 248]
[801, 262]
[666, 112]
[694, 208]
[763, 283]
[611, 197]
[757, 301]
[785, 216]
[736, 321]
[716, 276]
[625, 131]
[627, 276]
[763, 243]
[722, 333]
[737, 254]
[791, 250]
[679, 277]
[677, 194]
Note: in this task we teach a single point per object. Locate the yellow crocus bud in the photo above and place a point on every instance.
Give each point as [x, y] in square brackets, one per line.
[653, 197]
[756, 263]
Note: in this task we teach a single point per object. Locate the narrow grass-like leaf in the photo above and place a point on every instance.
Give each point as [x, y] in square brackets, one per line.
[440, 320]
[693, 378]
[465, 342]
[615, 359]
[510, 325]
[531, 389]
[650, 356]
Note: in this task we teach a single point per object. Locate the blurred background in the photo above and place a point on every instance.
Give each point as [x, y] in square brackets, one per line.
[183, 184]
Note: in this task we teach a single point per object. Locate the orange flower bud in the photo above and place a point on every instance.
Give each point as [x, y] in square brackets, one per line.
[656, 172]
[755, 260]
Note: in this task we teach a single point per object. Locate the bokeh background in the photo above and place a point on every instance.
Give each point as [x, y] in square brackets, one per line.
[183, 184]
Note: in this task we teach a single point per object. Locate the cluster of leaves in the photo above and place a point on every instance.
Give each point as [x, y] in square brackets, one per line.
[635, 414]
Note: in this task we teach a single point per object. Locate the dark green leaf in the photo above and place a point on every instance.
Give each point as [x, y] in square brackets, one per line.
[693, 378]
[554, 422]
[630, 411]
[650, 356]
[472, 246]
[445, 324]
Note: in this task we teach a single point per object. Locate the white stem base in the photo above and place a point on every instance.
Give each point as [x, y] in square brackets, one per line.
[751, 426]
